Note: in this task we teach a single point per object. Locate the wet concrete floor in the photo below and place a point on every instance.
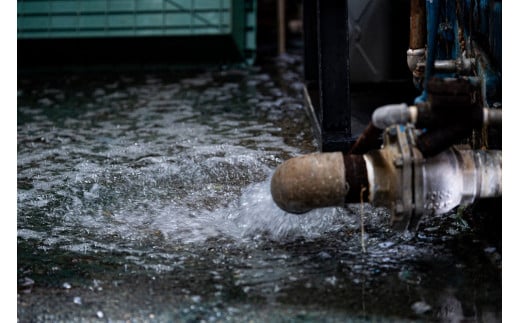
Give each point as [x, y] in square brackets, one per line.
[144, 197]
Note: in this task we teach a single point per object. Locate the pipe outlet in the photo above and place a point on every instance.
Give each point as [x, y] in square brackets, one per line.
[306, 182]
[318, 180]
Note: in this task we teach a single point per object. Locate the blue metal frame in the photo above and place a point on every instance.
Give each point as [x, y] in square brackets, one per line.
[470, 27]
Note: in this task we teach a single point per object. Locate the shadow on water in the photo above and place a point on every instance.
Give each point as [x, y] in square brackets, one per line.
[145, 197]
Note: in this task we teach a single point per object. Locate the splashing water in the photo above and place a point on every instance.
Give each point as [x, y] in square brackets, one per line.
[162, 182]
[185, 161]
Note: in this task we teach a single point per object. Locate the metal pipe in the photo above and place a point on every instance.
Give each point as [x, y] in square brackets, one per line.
[387, 115]
[368, 140]
[432, 23]
[318, 180]
[436, 185]
[417, 24]
[416, 53]
[424, 115]
[459, 177]
[454, 177]
[460, 65]
[396, 176]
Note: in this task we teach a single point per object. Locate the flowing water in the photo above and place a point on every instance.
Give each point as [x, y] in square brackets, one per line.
[144, 196]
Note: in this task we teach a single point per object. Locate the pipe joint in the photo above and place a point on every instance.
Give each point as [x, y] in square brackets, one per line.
[388, 115]
[414, 57]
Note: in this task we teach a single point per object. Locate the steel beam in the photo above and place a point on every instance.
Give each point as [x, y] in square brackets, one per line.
[327, 72]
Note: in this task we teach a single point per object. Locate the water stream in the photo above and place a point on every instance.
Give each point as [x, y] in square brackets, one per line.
[144, 196]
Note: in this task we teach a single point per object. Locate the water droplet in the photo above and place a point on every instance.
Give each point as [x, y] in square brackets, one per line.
[490, 250]
[324, 255]
[331, 280]
[26, 281]
[420, 307]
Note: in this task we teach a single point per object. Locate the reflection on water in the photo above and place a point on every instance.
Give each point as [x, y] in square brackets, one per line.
[146, 197]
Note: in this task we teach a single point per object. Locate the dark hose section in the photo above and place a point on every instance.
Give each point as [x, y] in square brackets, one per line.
[357, 178]
[367, 141]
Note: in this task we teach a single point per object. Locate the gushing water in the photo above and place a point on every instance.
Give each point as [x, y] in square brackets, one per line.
[183, 160]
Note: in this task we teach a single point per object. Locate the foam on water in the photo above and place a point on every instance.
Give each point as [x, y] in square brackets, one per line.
[133, 161]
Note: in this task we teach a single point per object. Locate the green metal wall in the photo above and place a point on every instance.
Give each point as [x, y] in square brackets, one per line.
[55, 19]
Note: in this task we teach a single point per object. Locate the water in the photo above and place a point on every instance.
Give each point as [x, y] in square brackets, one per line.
[145, 197]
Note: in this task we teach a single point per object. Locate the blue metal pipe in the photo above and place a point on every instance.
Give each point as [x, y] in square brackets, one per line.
[432, 23]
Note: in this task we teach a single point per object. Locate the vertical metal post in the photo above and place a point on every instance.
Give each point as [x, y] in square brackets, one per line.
[326, 69]
[310, 40]
[281, 27]
[333, 65]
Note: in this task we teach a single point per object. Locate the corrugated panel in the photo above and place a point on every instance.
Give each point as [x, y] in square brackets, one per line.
[76, 19]
[113, 18]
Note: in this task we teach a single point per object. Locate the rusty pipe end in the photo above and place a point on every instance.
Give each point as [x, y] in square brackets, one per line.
[311, 181]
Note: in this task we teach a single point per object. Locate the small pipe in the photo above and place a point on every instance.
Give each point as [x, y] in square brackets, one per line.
[461, 65]
[387, 115]
[432, 22]
[367, 141]
[417, 24]
[445, 114]
[446, 66]
[416, 53]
